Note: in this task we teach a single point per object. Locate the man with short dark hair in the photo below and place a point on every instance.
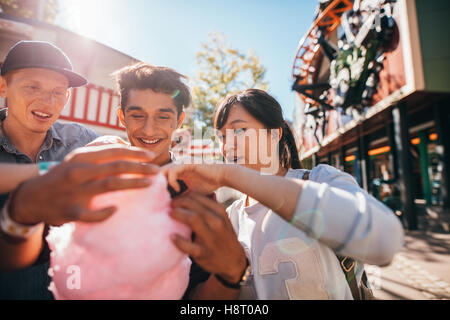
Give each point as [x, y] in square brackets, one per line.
[152, 100]
[152, 103]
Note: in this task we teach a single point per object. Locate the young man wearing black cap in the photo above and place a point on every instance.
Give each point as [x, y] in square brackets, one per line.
[35, 78]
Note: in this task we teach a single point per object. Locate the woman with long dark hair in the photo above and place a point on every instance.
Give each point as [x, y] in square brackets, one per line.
[293, 223]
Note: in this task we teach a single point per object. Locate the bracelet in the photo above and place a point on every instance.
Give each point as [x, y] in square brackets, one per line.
[44, 167]
[242, 280]
[14, 229]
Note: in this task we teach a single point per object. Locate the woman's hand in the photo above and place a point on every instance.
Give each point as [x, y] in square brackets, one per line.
[201, 178]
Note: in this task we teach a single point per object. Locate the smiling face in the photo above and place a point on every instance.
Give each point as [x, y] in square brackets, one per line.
[150, 119]
[246, 141]
[35, 96]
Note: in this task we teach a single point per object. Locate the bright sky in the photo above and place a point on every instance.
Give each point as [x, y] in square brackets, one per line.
[169, 33]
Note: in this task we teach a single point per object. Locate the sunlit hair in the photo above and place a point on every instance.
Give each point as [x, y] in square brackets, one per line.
[143, 76]
[264, 108]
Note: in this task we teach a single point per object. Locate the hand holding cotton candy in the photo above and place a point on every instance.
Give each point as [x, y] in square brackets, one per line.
[128, 256]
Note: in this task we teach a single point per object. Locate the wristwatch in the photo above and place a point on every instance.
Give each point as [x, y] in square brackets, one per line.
[243, 279]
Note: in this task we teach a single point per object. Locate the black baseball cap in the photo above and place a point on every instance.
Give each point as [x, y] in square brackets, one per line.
[41, 54]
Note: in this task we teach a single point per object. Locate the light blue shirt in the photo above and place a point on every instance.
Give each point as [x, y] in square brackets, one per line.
[60, 140]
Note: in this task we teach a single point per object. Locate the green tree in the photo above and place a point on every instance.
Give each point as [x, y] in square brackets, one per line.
[45, 10]
[221, 70]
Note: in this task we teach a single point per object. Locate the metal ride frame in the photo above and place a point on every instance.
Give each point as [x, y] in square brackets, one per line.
[308, 52]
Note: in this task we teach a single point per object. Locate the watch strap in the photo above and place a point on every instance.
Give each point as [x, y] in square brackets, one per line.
[242, 279]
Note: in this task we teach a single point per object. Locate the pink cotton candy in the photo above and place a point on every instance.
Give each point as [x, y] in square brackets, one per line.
[128, 256]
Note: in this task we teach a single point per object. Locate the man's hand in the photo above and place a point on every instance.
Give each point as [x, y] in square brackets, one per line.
[216, 248]
[107, 140]
[65, 192]
[108, 153]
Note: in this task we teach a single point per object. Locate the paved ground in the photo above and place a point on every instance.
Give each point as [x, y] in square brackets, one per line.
[422, 269]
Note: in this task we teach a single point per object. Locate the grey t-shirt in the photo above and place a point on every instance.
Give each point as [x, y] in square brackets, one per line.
[61, 139]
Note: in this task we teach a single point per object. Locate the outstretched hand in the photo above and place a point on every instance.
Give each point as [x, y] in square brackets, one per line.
[201, 178]
[64, 193]
[215, 248]
[107, 140]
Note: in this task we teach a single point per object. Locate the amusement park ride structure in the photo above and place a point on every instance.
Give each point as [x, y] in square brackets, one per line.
[372, 82]
[368, 31]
